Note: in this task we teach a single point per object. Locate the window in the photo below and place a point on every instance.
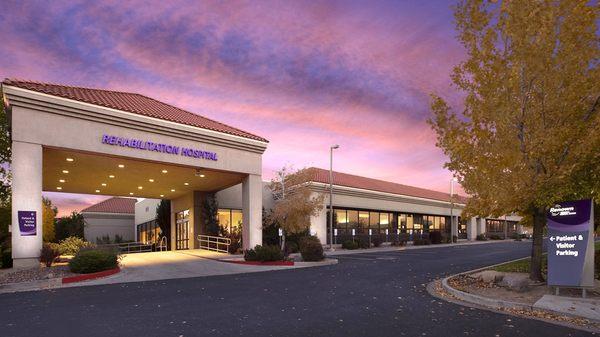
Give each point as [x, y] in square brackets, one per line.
[352, 221]
[148, 232]
[229, 220]
[363, 222]
[341, 221]
[374, 223]
[385, 222]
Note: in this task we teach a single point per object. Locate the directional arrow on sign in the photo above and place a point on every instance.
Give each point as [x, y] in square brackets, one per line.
[552, 238]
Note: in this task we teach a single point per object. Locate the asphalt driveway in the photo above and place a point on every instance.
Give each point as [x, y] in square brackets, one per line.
[370, 294]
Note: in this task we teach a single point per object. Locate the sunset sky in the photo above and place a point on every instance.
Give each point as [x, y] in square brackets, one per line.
[303, 74]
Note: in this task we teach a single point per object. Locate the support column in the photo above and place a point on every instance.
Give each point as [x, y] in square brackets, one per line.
[319, 225]
[480, 226]
[26, 170]
[471, 229]
[453, 226]
[252, 211]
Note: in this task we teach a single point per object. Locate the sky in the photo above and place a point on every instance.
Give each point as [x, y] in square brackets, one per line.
[302, 74]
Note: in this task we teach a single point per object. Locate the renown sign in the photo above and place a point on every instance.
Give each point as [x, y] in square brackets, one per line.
[571, 244]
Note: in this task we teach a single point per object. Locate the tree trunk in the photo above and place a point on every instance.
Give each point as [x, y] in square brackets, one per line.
[539, 221]
[283, 243]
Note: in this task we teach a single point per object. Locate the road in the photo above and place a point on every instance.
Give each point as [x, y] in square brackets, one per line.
[369, 294]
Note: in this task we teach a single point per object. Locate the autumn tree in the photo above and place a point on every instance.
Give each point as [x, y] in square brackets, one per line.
[294, 201]
[49, 212]
[528, 132]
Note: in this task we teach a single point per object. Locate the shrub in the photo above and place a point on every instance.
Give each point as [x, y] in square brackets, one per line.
[481, 237]
[7, 261]
[49, 253]
[421, 241]
[263, 254]
[454, 239]
[350, 245]
[435, 237]
[363, 242]
[94, 260]
[376, 241]
[104, 240]
[291, 247]
[118, 238]
[311, 249]
[72, 245]
[495, 237]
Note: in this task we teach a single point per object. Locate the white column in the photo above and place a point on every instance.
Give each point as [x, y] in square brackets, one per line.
[252, 211]
[318, 225]
[472, 229]
[480, 226]
[454, 226]
[26, 171]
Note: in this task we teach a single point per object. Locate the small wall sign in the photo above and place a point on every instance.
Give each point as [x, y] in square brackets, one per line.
[27, 223]
[280, 232]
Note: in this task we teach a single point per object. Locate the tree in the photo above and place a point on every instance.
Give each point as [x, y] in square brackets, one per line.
[68, 226]
[5, 177]
[163, 220]
[529, 132]
[49, 212]
[210, 215]
[294, 201]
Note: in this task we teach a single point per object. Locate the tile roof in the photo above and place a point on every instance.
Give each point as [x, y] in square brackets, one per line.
[113, 205]
[130, 102]
[349, 180]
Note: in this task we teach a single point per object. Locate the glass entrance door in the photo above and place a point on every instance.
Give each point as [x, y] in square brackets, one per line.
[182, 230]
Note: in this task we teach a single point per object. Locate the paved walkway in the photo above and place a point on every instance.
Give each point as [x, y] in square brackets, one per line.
[583, 307]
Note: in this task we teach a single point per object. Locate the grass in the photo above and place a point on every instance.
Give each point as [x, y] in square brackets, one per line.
[522, 266]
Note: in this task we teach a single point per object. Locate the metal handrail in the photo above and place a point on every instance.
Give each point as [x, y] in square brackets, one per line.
[130, 247]
[162, 244]
[214, 243]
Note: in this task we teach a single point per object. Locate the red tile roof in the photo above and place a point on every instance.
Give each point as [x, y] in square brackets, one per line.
[130, 102]
[113, 205]
[349, 180]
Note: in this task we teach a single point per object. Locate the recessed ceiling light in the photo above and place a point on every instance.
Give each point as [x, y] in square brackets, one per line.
[164, 171]
[103, 184]
[186, 184]
[162, 195]
[202, 176]
[140, 187]
[151, 180]
[130, 193]
[70, 159]
[61, 180]
[121, 166]
[172, 190]
[58, 188]
[65, 171]
[111, 176]
[97, 191]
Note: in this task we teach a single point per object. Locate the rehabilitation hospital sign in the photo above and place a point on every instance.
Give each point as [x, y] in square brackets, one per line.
[157, 147]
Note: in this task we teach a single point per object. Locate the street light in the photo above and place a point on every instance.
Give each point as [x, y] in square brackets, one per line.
[334, 147]
[453, 228]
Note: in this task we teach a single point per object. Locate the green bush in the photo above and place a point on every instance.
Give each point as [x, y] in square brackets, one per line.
[311, 249]
[94, 260]
[481, 237]
[49, 253]
[435, 237]
[376, 241]
[363, 242]
[7, 261]
[291, 247]
[495, 237]
[263, 254]
[421, 241]
[72, 245]
[350, 244]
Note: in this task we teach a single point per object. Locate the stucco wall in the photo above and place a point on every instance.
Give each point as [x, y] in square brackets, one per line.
[101, 224]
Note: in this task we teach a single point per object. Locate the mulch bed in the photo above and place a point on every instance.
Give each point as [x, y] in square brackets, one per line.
[34, 274]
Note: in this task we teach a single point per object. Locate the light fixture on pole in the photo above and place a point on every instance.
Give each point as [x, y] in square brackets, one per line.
[331, 194]
[453, 227]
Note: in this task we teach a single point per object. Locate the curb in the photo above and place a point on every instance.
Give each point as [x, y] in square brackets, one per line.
[497, 304]
[90, 276]
[259, 263]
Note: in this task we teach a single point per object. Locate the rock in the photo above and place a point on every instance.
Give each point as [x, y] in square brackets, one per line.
[49, 276]
[489, 276]
[515, 281]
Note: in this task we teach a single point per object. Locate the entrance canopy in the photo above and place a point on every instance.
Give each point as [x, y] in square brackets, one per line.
[87, 173]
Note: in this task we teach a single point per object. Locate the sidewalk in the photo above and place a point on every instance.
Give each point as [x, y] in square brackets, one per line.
[581, 307]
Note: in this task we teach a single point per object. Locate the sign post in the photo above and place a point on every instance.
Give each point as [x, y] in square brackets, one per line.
[571, 245]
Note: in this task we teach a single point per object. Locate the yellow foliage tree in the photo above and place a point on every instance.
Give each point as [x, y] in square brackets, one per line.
[49, 212]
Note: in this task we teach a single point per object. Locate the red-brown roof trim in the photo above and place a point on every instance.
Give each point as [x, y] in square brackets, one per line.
[131, 102]
[348, 180]
[113, 205]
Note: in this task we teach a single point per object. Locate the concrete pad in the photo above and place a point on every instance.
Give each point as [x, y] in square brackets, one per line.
[582, 307]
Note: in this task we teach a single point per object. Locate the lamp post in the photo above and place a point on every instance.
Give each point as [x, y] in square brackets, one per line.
[452, 225]
[331, 194]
